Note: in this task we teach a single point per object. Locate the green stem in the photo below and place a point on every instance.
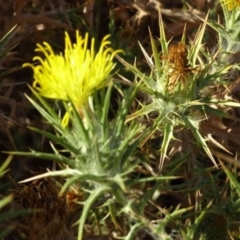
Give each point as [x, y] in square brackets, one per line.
[87, 206]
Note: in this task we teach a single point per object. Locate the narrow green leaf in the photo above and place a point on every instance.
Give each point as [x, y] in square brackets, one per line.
[191, 125]
[167, 137]
[59, 140]
[47, 156]
[80, 131]
[52, 118]
[143, 77]
[197, 43]
[106, 107]
[219, 113]
[86, 208]
[5, 165]
[163, 40]
[8, 36]
[5, 201]
[232, 179]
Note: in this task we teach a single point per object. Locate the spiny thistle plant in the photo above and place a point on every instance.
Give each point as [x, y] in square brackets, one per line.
[181, 95]
[97, 155]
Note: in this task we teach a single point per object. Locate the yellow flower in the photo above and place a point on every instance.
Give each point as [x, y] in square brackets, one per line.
[231, 4]
[74, 74]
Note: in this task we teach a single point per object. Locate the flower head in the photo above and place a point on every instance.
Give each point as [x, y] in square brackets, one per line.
[74, 74]
[231, 4]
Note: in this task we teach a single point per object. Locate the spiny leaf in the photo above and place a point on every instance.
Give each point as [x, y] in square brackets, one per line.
[191, 125]
[168, 135]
